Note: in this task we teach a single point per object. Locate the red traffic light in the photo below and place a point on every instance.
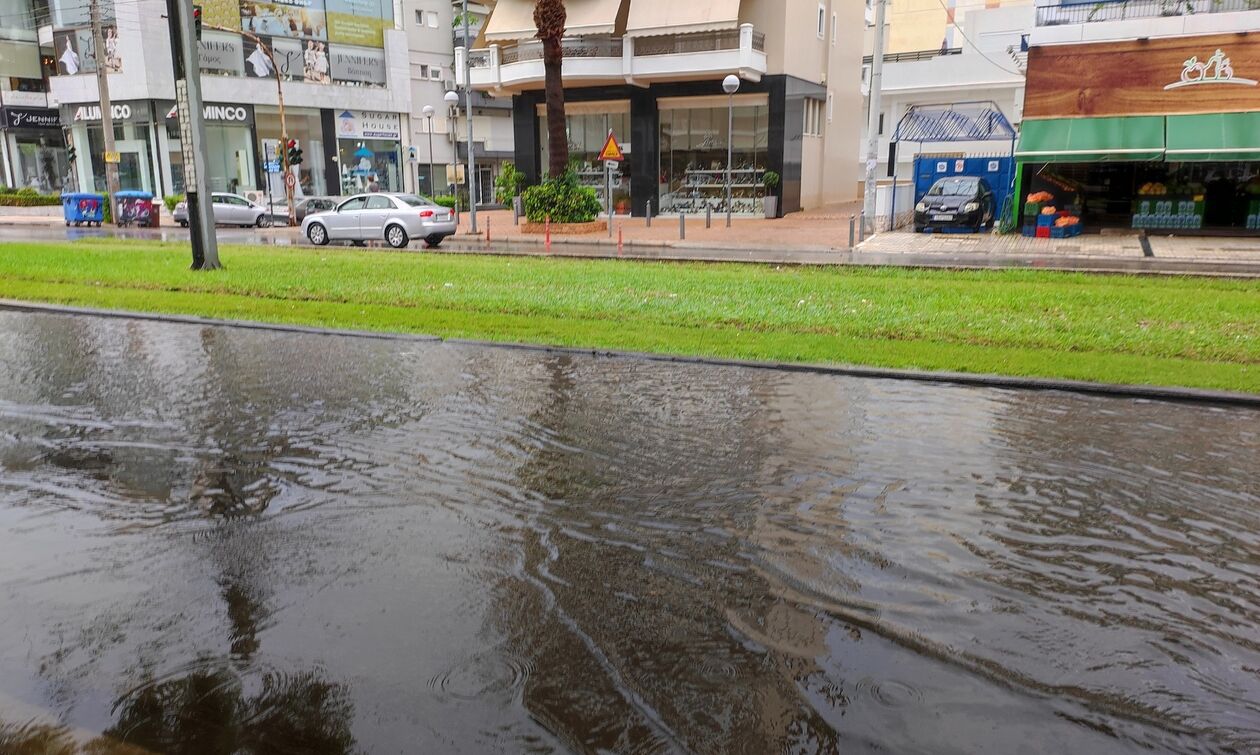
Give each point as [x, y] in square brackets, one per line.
[292, 143]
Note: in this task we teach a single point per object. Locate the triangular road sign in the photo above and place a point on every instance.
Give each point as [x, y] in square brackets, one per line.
[612, 150]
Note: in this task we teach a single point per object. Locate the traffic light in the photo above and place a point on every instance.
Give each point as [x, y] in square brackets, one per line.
[295, 153]
[197, 21]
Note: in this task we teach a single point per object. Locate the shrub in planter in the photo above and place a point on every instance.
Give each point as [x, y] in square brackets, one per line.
[27, 197]
[172, 200]
[509, 184]
[445, 200]
[563, 199]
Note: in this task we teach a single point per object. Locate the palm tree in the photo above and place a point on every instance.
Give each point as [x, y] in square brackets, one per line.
[550, 18]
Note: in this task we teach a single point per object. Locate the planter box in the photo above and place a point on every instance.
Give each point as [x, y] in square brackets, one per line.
[567, 229]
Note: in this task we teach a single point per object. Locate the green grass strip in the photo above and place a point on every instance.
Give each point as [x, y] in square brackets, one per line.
[1194, 332]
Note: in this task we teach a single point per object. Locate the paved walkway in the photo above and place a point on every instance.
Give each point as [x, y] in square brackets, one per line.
[1120, 245]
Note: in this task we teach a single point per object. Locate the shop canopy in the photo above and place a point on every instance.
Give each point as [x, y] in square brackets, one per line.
[513, 20]
[1088, 140]
[1216, 137]
[648, 18]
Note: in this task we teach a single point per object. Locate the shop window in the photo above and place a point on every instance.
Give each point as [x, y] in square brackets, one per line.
[693, 157]
[368, 161]
[587, 133]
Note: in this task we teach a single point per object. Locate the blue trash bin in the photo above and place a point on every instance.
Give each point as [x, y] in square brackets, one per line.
[134, 208]
[83, 207]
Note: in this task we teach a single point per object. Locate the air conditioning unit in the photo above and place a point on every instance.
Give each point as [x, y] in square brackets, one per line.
[257, 197]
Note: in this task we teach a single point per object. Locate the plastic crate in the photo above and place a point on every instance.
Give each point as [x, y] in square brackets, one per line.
[1030, 231]
[1046, 221]
[83, 207]
[1043, 231]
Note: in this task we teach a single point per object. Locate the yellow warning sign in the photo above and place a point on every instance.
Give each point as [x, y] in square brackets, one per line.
[113, 157]
[612, 150]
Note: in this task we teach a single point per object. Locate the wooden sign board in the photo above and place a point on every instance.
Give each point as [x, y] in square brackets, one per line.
[1217, 73]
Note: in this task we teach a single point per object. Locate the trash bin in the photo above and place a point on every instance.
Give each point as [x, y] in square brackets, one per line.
[83, 207]
[134, 208]
[155, 218]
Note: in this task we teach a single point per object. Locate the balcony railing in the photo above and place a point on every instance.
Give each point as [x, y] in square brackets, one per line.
[914, 57]
[1058, 14]
[702, 42]
[577, 47]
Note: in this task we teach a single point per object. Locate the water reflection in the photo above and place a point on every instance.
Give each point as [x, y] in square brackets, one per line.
[271, 540]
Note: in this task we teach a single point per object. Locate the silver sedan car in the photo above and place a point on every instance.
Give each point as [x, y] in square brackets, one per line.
[396, 218]
[229, 209]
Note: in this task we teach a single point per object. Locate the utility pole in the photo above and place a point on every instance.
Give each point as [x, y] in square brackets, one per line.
[192, 133]
[875, 108]
[107, 112]
[468, 113]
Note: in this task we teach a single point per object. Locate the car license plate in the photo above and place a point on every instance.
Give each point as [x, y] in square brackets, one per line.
[942, 217]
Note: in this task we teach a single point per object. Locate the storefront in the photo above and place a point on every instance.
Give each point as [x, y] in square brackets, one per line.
[230, 157]
[306, 126]
[1174, 145]
[369, 151]
[34, 149]
[138, 166]
[676, 138]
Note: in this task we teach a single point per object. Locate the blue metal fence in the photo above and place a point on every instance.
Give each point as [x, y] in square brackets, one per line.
[998, 171]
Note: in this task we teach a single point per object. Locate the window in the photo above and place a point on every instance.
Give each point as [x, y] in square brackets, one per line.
[350, 205]
[813, 118]
[834, 32]
[822, 20]
[435, 73]
[424, 71]
[881, 124]
[433, 20]
[831, 106]
[419, 18]
[379, 202]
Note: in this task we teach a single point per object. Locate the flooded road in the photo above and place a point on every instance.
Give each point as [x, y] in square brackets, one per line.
[217, 540]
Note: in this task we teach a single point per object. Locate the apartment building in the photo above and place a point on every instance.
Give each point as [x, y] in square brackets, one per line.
[986, 65]
[1146, 113]
[32, 146]
[434, 29]
[651, 71]
[342, 66]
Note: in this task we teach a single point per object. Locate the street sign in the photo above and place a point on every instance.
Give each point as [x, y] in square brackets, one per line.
[272, 166]
[290, 180]
[612, 150]
[412, 156]
[612, 165]
[113, 157]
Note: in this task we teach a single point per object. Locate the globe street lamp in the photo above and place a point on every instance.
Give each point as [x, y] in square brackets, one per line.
[730, 85]
[452, 103]
[428, 112]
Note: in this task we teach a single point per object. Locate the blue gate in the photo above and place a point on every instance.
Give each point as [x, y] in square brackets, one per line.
[998, 171]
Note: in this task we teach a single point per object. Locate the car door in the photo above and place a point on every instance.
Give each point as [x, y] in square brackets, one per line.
[223, 213]
[372, 219]
[343, 223]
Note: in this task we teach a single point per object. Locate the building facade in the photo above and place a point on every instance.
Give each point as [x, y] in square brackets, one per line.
[1146, 115]
[32, 145]
[651, 72]
[342, 66]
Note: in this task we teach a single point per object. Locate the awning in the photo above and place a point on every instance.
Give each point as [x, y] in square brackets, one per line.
[1217, 137]
[1088, 140]
[681, 17]
[514, 19]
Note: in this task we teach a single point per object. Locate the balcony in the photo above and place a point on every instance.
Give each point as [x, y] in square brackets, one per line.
[1096, 11]
[614, 60]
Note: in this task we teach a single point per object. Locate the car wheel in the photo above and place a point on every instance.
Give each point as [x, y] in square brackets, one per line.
[396, 237]
[433, 242]
[264, 221]
[183, 224]
[318, 234]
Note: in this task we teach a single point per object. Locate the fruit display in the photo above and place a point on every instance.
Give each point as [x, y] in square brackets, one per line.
[1153, 189]
[1040, 196]
[1049, 210]
[1067, 220]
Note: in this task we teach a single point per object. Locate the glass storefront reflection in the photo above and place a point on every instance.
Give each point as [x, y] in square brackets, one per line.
[694, 137]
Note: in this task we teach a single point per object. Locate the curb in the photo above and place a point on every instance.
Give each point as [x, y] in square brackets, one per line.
[978, 380]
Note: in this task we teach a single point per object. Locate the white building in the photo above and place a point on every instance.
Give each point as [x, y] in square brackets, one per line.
[987, 65]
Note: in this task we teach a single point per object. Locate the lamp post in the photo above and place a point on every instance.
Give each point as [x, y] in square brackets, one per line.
[730, 85]
[428, 111]
[452, 102]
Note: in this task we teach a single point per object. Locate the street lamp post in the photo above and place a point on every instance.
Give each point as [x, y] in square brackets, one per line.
[428, 111]
[730, 85]
[452, 103]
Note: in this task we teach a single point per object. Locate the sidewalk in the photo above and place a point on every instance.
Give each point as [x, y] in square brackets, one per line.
[1122, 245]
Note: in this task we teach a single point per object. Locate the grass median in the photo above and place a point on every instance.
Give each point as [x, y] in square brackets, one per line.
[1197, 332]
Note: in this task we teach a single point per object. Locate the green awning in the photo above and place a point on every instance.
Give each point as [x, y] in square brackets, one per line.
[1217, 137]
[1091, 140]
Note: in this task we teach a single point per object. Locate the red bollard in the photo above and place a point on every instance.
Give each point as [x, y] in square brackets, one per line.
[548, 233]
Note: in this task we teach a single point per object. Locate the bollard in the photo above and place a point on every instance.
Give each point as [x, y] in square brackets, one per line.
[619, 240]
[708, 216]
[548, 232]
[516, 213]
[1146, 244]
[682, 226]
[649, 213]
[862, 227]
[852, 220]
[487, 230]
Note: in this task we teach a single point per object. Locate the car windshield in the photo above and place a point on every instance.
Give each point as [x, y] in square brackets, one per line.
[954, 187]
[414, 201]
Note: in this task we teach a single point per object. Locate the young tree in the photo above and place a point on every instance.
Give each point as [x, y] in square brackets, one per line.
[550, 18]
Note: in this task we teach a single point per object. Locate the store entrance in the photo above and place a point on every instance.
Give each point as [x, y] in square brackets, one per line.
[1199, 197]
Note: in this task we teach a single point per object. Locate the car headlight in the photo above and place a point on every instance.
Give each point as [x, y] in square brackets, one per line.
[921, 207]
[971, 207]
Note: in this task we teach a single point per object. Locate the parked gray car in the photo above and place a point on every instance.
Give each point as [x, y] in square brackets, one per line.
[229, 209]
[395, 218]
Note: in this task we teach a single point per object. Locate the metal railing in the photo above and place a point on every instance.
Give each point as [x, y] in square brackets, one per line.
[577, 47]
[910, 57]
[479, 59]
[683, 43]
[1059, 14]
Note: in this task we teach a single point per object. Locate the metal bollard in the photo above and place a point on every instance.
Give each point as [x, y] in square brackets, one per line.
[516, 213]
[682, 226]
[852, 220]
[862, 227]
[708, 216]
[649, 213]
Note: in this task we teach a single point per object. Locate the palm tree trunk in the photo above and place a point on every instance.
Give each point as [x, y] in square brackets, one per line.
[557, 131]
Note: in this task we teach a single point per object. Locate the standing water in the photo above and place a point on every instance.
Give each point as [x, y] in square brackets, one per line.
[218, 540]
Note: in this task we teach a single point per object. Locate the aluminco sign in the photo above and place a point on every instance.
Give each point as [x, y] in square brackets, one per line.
[93, 113]
[233, 113]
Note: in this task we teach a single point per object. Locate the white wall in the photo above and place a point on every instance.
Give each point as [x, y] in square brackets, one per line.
[1172, 26]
